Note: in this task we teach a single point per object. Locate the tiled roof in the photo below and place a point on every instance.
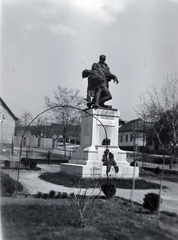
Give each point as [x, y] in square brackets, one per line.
[128, 127]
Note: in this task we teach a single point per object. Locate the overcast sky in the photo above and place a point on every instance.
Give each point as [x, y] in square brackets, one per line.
[46, 43]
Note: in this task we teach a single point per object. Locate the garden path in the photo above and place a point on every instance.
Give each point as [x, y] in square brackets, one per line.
[33, 184]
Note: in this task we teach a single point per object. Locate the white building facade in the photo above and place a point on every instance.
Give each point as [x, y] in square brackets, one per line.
[7, 124]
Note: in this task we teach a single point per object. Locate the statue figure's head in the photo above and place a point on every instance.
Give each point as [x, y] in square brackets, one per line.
[102, 58]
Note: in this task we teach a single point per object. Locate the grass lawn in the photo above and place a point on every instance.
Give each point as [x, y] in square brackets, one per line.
[55, 219]
[29, 218]
[67, 180]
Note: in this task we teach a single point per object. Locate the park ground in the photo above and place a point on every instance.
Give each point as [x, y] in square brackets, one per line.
[116, 218]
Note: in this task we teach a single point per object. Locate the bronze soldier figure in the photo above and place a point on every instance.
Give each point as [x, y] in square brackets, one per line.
[98, 83]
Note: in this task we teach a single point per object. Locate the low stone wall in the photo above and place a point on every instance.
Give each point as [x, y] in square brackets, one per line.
[167, 171]
[32, 142]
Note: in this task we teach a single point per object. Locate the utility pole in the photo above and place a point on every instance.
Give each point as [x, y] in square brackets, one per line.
[144, 144]
[134, 127]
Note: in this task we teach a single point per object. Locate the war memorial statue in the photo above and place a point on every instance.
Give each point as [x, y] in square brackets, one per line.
[99, 155]
[98, 83]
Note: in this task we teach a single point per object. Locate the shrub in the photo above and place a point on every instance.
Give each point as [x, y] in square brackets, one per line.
[29, 162]
[83, 205]
[33, 164]
[64, 195]
[109, 190]
[52, 194]
[157, 171]
[38, 195]
[7, 163]
[24, 161]
[59, 194]
[8, 185]
[151, 202]
[71, 195]
[45, 196]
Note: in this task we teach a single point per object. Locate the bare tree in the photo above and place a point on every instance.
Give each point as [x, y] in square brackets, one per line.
[41, 126]
[66, 116]
[26, 118]
[160, 109]
[18, 122]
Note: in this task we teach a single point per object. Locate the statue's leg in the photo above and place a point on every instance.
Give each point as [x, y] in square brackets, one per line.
[97, 98]
[87, 99]
[89, 104]
[107, 96]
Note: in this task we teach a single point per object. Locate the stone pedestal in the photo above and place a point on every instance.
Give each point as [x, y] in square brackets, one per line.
[86, 161]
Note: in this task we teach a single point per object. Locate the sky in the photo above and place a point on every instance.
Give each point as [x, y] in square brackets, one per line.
[46, 43]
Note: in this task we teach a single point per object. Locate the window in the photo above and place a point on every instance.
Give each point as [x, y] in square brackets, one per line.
[131, 137]
[121, 138]
[126, 138]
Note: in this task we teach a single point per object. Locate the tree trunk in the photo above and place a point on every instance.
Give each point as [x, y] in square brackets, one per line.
[173, 149]
[172, 159]
[64, 144]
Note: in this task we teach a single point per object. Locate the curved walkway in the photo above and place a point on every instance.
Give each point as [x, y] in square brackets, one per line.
[33, 184]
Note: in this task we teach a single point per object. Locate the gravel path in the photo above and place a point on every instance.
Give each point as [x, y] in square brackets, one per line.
[33, 184]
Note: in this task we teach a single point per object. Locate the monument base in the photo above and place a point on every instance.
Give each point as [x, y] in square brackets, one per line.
[93, 167]
[85, 171]
[88, 159]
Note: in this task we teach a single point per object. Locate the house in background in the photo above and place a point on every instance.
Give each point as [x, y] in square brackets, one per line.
[132, 134]
[7, 124]
[121, 122]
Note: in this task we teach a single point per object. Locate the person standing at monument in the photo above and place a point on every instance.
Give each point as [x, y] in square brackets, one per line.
[49, 153]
